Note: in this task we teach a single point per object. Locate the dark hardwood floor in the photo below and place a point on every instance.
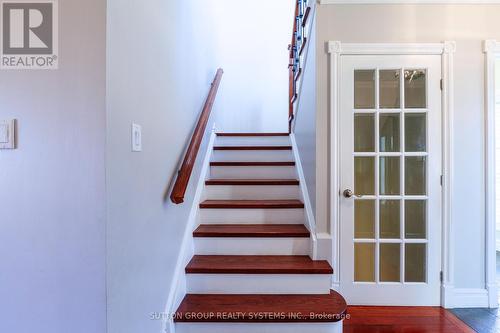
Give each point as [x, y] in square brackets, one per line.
[381, 319]
[482, 320]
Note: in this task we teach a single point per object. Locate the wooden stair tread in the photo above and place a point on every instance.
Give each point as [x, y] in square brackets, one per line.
[251, 204]
[253, 182]
[257, 308]
[285, 163]
[252, 230]
[253, 148]
[246, 264]
[252, 134]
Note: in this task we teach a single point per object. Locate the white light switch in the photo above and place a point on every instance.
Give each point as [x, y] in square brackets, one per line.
[4, 133]
[7, 134]
[136, 137]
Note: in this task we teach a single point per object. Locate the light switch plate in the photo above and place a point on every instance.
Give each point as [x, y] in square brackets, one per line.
[8, 134]
[136, 138]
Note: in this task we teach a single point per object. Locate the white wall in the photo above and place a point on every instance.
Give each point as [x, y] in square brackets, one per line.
[252, 41]
[468, 25]
[160, 65]
[52, 209]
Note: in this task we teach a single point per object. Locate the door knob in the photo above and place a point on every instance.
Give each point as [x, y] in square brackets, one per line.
[348, 193]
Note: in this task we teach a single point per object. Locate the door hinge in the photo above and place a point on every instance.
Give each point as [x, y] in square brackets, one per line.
[441, 84]
[441, 276]
[441, 180]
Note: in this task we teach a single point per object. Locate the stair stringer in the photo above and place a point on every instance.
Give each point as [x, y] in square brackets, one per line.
[178, 287]
[304, 195]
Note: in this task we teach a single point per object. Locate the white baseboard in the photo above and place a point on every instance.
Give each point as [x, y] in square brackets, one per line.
[179, 285]
[492, 295]
[447, 296]
[470, 298]
[325, 247]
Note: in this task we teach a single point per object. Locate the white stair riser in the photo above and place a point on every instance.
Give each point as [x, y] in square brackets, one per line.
[251, 216]
[251, 246]
[252, 172]
[244, 192]
[259, 284]
[259, 327]
[253, 141]
[252, 155]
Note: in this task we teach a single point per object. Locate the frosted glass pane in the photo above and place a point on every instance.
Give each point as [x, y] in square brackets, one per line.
[364, 262]
[389, 89]
[415, 219]
[390, 263]
[364, 219]
[364, 175]
[390, 219]
[415, 263]
[415, 132]
[364, 132]
[415, 89]
[415, 175]
[389, 132]
[364, 89]
[389, 176]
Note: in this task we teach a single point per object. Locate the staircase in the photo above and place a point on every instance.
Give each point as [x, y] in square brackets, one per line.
[252, 270]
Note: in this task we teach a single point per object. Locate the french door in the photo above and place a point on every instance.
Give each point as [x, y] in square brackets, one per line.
[390, 178]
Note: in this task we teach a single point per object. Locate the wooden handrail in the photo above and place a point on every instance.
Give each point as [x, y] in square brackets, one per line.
[182, 181]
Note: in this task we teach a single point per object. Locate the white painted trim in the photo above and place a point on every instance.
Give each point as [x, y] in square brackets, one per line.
[335, 50]
[386, 48]
[178, 286]
[492, 53]
[381, 2]
[448, 253]
[470, 298]
[446, 50]
[309, 214]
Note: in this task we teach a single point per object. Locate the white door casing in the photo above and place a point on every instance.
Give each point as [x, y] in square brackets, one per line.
[443, 60]
[492, 54]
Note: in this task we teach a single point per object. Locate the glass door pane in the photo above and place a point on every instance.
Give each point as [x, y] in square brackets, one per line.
[364, 262]
[364, 89]
[364, 132]
[415, 89]
[390, 262]
[364, 175]
[390, 215]
[389, 92]
[364, 219]
[415, 132]
[389, 132]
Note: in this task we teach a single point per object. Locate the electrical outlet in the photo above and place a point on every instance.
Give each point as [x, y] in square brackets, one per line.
[7, 134]
[136, 138]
